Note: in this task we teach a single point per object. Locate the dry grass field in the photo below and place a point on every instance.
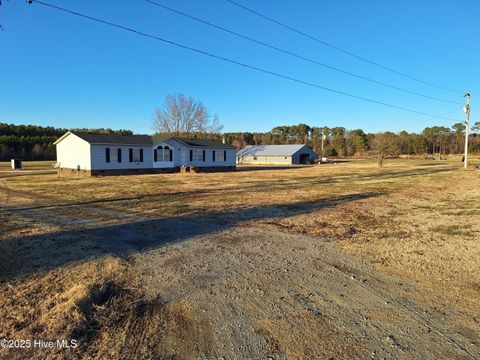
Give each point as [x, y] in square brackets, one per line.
[343, 260]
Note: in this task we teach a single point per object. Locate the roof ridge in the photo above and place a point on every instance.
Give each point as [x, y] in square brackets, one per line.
[142, 139]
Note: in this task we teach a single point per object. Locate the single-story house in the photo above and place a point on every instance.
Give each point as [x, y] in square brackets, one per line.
[276, 154]
[115, 154]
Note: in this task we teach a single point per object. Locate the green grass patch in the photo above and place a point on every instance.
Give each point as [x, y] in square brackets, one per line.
[175, 209]
[452, 230]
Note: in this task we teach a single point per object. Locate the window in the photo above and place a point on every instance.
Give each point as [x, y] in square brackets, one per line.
[167, 154]
[163, 154]
[254, 158]
[136, 155]
[224, 155]
[197, 155]
[213, 155]
[113, 155]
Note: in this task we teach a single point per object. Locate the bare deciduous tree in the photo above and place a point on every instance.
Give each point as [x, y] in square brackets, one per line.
[181, 114]
[384, 145]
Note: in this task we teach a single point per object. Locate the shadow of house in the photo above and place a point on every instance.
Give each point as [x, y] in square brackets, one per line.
[270, 167]
[40, 253]
[401, 174]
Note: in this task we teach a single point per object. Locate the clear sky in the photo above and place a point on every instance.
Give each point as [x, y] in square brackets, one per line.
[61, 70]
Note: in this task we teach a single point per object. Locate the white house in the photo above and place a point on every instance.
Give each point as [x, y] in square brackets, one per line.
[276, 154]
[115, 154]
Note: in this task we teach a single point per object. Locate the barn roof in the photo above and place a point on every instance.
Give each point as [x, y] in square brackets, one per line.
[270, 150]
[108, 138]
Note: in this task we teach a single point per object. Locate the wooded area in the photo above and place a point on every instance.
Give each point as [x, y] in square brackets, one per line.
[29, 142]
[341, 142]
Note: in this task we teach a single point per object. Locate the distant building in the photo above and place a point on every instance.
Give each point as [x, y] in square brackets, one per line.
[276, 154]
[114, 154]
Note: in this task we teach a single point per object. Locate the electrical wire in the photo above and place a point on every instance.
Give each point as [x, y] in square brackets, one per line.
[278, 75]
[297, 55]
[340, 49]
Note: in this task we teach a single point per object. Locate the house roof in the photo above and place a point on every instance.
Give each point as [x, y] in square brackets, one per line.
[203, 143]
[270, 150]
[108, 138]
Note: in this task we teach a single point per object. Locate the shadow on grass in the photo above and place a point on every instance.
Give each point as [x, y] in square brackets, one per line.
[270, 167]
[40, 253]
[273, 184]
[337, 161]
[28, 172]
[407, 173]
[439, 163]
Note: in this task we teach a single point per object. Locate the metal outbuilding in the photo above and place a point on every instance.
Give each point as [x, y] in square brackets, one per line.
[276, 154]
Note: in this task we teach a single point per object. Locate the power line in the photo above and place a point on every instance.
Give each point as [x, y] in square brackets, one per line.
[340, 49]
[286, 77]
[442, 106]
[295, 54]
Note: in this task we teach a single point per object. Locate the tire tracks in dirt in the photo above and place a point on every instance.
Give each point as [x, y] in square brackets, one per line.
[255, 284]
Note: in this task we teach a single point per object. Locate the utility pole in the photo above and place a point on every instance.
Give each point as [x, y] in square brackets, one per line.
[466, 109]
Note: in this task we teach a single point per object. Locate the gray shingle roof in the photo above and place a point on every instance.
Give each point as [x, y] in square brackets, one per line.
[204, 143]
[270, 150]
[97, 138]
[107, 138]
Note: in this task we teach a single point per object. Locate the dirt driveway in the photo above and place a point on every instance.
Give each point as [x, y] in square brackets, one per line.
[256, 293]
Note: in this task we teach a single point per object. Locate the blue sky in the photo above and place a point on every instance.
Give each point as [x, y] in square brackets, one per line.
[60, 70]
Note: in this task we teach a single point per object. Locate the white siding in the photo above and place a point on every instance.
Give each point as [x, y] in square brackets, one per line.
[219, 159]
[277, 159]
[265, 160]
[73, 153]
[99, 159]
[181, 156]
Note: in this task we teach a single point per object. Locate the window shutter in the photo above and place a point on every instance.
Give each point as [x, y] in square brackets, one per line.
[107, 155]
[130, 155]
[155, 156]
[213, 155]
[119, 152]
[191, 155]
[170, 155]
[224, 155]
[203, 155]
[141, 155]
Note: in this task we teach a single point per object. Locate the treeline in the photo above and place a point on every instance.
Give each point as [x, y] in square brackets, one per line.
[30, 142]
[338, 141]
